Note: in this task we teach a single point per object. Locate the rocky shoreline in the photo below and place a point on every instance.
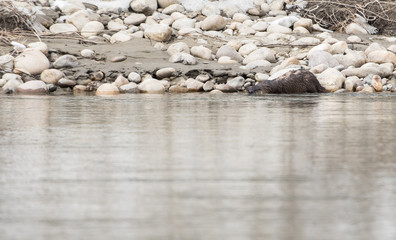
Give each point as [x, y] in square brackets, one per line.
[159, 46]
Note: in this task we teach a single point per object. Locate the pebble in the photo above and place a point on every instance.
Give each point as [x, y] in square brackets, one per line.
[65, 82]
[331, 79]
[213, 23]
[135, 19]
[87, 53]
[194, 85]
[119, 58]
[179, 47]
[208, 86]
[178, 89]
[120, 80]
[165, 72]
[63, 28]
[134, 77]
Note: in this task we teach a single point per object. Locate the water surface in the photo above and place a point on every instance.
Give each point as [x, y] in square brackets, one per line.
[198, 166]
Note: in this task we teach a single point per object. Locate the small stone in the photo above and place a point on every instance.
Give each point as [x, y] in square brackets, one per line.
[120, 58]
[120, 80]
[135, 19]
[173, 8]
[376, 83]
[213, 23]
[351, 83]
[260, 26]
[184, 58]
[148, 7]
[64, 83]
[226, 60]
[134, 77]
[51, 76]
[210, 9]
[300, 30]
[151, 85]
[129, 88]
[381, 56]
[92, 28]
[246, 49]
[201, 52]
[160, 46]
[193, 85]
[158, 32]
[166, 3]
[165, 72]
[374, 47]
[66, 61]
[258, 63]
[63, 28]
[306, 41]
[236, 82]
[6, 62]
[263, 53]
[11, 85]
[354, 39]
[115, 25]
[208, 86]
[202, 78]
[321, 57]
[259, 77]
[306, 23]
[368, 89]
[240, 17]
[121, 36]
[229, 51]
[87, 53]
[82, 17]
[32, 87]
[183, 23]
[275, 28]
[107, 89]
[179, 47]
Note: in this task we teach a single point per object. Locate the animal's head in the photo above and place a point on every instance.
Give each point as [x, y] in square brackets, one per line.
[261, 88]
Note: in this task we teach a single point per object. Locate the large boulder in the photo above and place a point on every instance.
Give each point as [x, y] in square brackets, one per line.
[31, 61]
[331, 79]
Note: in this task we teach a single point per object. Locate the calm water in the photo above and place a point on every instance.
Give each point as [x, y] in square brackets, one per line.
[196, 166]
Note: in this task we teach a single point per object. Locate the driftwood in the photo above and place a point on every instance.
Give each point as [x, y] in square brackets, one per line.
[337, 14]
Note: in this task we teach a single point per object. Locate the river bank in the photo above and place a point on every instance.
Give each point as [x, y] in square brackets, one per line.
[146, 49]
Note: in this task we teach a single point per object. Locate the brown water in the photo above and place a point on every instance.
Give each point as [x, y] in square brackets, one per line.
[198, 166]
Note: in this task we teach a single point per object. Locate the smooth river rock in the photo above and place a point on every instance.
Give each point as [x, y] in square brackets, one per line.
[66, 61]
[151, 85]
[213, 23]
[158, 32]
[107, 89]
[31, 61]
[51, 76]
[32, 87]
[331, 79]
[148, 7]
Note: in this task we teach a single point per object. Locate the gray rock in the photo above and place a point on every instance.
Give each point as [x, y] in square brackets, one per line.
[135, 19]
[134, 77]
[208, 86]
[201, 52]
[66, 61]
[129, 88]
[64, 83]
[236, 82]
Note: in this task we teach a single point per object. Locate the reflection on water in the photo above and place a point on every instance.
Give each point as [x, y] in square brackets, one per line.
[198, 167]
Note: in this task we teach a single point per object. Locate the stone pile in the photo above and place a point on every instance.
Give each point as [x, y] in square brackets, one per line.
[267, 36]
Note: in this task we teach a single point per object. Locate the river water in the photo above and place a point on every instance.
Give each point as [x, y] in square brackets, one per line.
[198, 166]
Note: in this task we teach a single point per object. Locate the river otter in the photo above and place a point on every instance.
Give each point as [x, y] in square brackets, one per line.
[295, 81]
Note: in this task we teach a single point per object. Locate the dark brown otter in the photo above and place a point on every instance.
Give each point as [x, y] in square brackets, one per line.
[295, 81]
